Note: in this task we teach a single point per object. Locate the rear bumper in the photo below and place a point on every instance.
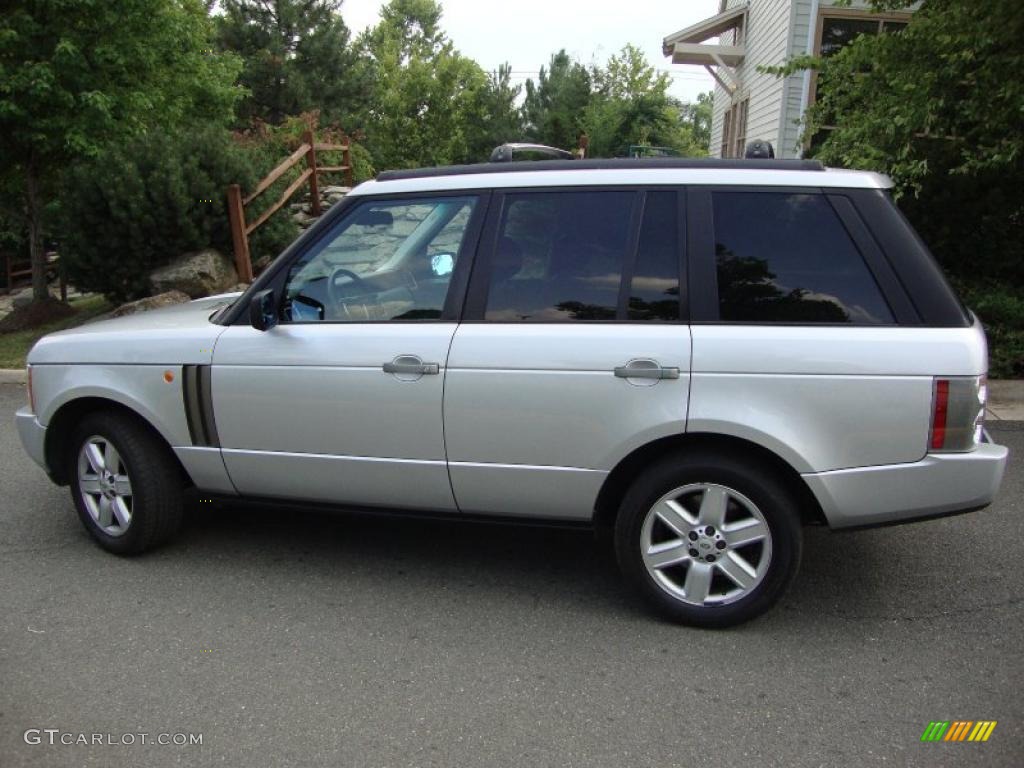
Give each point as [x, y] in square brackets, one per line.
[939, 484]
[33, 435]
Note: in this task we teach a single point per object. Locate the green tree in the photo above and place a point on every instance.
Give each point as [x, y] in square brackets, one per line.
[77, 75]
[631, 105]
[503, 121]
[297, 56]
[429, 100]
[697, 117]
[554, 106]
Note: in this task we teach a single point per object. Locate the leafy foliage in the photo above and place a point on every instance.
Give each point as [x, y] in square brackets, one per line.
[77, 75]
[139, 204]
[502, 120]
[631, 106]
[297, 56]
[554, 107]
[697, 117]
[428, 98]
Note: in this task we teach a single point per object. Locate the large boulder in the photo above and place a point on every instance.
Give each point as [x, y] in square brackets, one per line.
[198, 274]
[150, 302]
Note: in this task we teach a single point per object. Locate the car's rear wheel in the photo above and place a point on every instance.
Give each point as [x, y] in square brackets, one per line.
[126, 485]
[709, 540]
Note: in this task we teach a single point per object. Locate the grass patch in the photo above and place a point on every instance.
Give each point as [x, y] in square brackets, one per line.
[14, 346]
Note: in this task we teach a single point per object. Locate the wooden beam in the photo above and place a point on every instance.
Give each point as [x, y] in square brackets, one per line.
[728, 71]
[711, 70]
[692, 53]
[331, 147]
[331, 168]
[303, 177]
[314, 190]
[277, 173]
[239, 234]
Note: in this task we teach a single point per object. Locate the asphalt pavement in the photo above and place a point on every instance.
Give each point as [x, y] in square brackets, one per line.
[305, 639]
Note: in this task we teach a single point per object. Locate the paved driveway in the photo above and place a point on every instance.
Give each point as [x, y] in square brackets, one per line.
[304, 640]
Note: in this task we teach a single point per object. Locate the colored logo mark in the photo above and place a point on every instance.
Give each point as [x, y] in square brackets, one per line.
[958, 730]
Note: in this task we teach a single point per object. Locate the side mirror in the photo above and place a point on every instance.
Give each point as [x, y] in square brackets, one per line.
[263, 311]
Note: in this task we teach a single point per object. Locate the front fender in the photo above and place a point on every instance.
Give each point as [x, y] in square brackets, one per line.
[140, 388]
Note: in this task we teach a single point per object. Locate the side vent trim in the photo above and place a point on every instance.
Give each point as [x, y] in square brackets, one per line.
[206, 405]
[196, 392]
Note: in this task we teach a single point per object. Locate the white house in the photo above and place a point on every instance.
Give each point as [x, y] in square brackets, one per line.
[751, 33]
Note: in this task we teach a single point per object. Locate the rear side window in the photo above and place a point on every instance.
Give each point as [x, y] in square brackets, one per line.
[786, 257]
[560, 256]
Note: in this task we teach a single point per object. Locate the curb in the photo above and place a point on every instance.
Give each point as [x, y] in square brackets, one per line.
[13, 376]
[1004, 413]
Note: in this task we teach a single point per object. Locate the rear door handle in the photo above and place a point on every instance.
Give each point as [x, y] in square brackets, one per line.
[645, 369]
[413, 366]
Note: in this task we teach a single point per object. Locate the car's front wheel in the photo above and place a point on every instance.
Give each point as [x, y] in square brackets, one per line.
[125, 484]
[709, 540]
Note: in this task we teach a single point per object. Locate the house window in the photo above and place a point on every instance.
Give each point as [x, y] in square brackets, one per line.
[734, 130]
[835, 32]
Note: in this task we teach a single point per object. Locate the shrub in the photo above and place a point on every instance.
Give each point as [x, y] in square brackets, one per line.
[362, 163]
[138, 205]
[1001, 310]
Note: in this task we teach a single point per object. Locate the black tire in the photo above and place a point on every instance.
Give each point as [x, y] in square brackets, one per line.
[768, 493]
[156, 482]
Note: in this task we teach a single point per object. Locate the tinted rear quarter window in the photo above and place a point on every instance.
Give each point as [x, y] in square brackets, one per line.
[786, 257]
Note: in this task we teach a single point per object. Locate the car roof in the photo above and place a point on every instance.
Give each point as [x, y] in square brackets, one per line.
[622, 172]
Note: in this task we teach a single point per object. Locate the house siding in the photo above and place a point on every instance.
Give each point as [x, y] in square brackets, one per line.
[767, 41]
[791, 128]
[776, 31]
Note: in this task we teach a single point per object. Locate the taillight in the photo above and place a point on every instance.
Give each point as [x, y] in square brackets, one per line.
[958, 413]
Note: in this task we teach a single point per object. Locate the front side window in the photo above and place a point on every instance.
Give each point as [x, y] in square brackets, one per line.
[784, 257]
[387, 260]
[559, 256]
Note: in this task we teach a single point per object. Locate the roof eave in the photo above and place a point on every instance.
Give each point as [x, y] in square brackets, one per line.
[702, 30]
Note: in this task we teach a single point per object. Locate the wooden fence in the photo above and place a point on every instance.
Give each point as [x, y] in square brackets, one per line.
[20, 270]
[240, 229]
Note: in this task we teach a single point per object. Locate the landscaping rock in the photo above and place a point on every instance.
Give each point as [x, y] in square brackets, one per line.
[198, 274]
[262, 263]
[150, 302]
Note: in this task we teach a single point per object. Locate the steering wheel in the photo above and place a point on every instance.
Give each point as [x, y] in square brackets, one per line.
[333, 292]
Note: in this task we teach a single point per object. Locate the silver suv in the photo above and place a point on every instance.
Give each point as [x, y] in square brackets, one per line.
[695, 358]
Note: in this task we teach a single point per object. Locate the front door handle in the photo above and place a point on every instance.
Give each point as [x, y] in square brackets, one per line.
[411, 366]
[645, 369]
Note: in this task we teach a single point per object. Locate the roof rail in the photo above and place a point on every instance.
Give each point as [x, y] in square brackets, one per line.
[611, 164]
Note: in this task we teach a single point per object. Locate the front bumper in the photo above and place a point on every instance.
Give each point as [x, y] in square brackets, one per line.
[939, 484]
[33, 435]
